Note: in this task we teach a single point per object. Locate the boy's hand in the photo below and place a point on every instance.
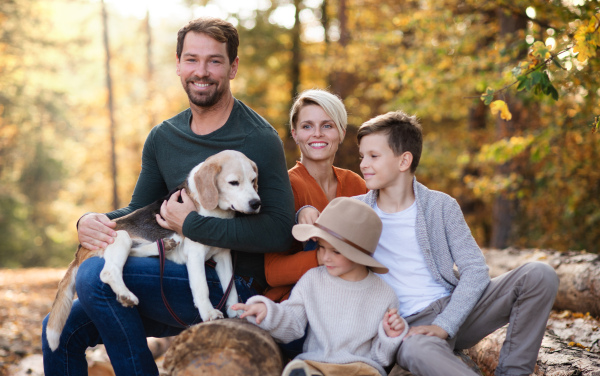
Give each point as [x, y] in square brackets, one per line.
[257, 309]
[308, 216]
[427, 330]
[393, 325]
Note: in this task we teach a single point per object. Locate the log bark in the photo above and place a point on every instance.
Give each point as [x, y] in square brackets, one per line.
[224, 347]
[556, 356]
[579, 274]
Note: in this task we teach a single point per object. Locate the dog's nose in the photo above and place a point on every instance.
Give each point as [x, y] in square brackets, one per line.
[255, 204]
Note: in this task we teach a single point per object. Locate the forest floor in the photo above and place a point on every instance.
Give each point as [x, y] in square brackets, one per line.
[26, 296]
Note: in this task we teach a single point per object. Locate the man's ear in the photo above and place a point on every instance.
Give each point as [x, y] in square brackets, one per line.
[177, 63]
[405, 161]
[234, 68]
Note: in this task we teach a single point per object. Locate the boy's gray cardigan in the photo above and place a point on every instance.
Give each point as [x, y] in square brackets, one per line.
[445, 240]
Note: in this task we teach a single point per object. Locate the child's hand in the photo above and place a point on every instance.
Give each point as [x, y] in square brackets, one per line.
[393, 325]
[257, 309]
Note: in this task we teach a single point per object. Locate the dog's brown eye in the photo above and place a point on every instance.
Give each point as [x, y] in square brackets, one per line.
[234, 183]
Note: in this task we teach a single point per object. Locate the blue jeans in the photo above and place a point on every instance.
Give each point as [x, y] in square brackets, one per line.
[97, 317]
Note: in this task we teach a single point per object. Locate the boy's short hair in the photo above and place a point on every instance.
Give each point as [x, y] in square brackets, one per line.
[404, 133]
[218, 29]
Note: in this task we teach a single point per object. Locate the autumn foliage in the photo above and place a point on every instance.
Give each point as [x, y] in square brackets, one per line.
[508, 93]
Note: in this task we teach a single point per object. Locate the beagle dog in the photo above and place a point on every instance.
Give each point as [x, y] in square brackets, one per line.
[223, 184]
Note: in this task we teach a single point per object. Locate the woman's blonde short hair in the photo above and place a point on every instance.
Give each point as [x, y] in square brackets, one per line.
[330, 103]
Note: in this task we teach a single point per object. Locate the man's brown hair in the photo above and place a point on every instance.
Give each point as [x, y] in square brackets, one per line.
[220, 30]
[404, 133]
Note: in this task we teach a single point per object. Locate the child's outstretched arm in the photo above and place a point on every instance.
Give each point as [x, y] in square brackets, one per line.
[393, 324]
[285, 321]
[256, 309]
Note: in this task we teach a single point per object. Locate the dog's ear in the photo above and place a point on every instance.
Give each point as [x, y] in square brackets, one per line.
[206, 182]
[256, 180]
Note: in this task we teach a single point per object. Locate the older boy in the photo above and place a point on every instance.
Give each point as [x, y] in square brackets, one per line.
[424, 238]
[446, 310]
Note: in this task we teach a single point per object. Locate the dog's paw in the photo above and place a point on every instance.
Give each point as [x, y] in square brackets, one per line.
[170, 244]
[232, 313]
[128, 299]
[214, 314]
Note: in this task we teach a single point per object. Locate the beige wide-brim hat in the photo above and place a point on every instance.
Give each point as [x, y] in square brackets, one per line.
[349, 225]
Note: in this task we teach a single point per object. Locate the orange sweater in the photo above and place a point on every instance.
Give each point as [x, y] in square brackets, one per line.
[283, 270]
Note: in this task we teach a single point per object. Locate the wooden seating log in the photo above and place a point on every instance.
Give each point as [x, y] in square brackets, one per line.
[578, 271]
[224, 347]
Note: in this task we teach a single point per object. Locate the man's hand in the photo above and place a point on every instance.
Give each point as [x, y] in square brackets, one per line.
[173, 213]
[95, 231]
[257, 309]
[428, 330]
[308, 216]
[393, 325]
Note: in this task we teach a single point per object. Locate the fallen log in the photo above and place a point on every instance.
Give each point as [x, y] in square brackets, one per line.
[556, 357]
[579, 274]
[223, 347]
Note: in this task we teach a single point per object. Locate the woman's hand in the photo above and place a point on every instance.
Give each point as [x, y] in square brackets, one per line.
[95, 231]
[308, 216]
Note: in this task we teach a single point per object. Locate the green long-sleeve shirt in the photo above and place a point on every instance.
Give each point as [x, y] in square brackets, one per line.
[172, 150]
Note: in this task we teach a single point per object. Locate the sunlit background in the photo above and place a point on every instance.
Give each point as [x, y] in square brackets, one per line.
[529, 182]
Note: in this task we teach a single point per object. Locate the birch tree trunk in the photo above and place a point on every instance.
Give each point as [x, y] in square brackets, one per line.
[113, 155]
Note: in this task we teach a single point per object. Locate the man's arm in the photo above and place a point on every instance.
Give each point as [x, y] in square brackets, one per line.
[268, 231]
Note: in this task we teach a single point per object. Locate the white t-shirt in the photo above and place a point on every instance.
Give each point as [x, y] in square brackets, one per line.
[399, 251]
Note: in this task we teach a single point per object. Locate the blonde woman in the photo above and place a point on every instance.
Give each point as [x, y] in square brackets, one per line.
[318, 121]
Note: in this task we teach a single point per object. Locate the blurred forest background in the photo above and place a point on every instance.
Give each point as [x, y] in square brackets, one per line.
[83, 81]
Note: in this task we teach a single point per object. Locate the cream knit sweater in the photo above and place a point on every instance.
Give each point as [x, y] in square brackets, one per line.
[344, 319]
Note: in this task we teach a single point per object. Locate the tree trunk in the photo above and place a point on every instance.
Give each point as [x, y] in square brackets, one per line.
[113, 159]
[505, 205]
[224, 347]
[296, 53]
[342, 83]
[579, 274]
[149, 73]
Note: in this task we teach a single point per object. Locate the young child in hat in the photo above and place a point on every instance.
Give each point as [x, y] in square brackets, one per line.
[351, 314]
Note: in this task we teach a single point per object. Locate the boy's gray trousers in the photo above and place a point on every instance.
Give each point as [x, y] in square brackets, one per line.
[522, 297]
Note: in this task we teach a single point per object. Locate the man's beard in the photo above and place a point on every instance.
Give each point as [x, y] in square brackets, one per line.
[207, 99]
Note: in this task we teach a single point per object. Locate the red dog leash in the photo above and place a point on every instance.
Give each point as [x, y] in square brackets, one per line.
[210, 263]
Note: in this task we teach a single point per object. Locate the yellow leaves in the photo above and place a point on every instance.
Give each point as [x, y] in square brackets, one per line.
[501, 107]
[505, 149]
[587, 39]
[577, 344]
[540, 51]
